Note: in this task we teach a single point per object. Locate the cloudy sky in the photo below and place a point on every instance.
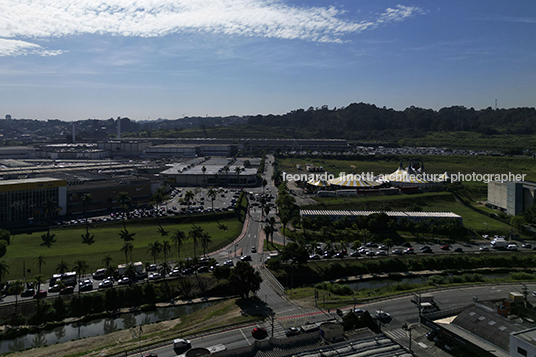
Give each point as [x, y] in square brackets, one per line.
[79, 59]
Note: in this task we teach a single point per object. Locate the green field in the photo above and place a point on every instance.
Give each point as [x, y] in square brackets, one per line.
[434, 164]
[25, 248]
[466, 139]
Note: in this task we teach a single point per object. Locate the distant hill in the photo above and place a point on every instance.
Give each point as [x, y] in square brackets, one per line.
[367, 121]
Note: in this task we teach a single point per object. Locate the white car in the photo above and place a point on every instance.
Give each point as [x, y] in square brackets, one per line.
[512, 246]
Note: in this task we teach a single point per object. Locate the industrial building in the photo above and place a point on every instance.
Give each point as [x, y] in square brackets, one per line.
[411, 216]
[22, 201]
[213, 172]
[511, 197]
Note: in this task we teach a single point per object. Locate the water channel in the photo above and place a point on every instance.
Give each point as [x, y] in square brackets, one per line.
[97, 327]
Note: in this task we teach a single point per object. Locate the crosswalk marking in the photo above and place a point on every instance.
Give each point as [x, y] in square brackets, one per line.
[397, 334]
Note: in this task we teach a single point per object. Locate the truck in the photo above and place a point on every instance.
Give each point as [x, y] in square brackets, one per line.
[122, 267]
[419, 299]
[498, 243]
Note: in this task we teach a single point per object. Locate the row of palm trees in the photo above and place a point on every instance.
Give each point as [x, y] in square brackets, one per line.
[226, 169]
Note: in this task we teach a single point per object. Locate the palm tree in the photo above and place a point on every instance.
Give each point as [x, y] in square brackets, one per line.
[271, 222]
[39, 279]
[204, 171]
[196, 233]
[165, 268]
[40, 261]
[49, 207]
[226, 170]
[205, 241]
[123, 198]
[212, 194]
[130, 271]
[155, 249]
[126, 249]
[188, 197]
[62, 267]
[107, 260]
[80, 267]
[166, 248]
[86, 200]
[16, 288]
[238, 170]
[4, 270]
[178, 238]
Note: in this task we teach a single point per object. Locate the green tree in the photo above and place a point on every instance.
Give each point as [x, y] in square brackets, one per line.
[196, 234]
[5, 235]
[244, 279]
[226, 169]
[124, 200]
[189, 196]
[178, 238]
[49, 207]
[39, 279]
[295, 252]
[80, 267]
[166, 248]
[204, 171]
[155, 249]
[62, 267]
[107, 260]
[16, 288]
[237, 171]
[126, 249]
[40, 261]
[205, 241]
[212, 194]
[86, 200]
[4, 270]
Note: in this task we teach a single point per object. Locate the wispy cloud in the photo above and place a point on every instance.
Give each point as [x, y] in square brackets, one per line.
[36, 20]
[17, 47]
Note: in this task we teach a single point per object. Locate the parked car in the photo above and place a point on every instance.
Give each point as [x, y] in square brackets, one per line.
[203, 269]
[229, 263]
[406, 244]
[444, 247]
[40, 294]
[431, 335]
[259, 333]
[409, 251]
[124, 281]
[397, 251]
[512, 246]
[54, 288]
[526, 245]
[484, 249]
[67, 290]
[427, 250]
[86, 286]
[315, 257]
[458, 250]
[359, 312]
[27, 293]
[106, 283]
[155, 276]
[355, 254]
[381, 252]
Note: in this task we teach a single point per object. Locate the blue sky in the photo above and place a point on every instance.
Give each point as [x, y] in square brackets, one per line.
[80, 59]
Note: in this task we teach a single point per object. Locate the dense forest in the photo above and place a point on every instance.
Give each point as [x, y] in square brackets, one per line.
[367, 121]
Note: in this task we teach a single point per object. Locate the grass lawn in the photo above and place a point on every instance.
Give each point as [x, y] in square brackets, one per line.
[25, 248]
